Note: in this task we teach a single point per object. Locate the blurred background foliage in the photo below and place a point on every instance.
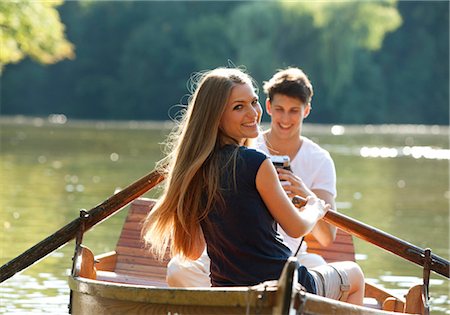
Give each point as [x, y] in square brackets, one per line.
[34, 29]
[369, 61]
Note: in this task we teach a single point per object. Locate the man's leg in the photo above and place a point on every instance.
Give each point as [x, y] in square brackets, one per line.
[189, 273]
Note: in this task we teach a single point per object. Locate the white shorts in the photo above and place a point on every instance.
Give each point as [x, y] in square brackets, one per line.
[195, 273]
[331, 282]
[188, 273]
[310, 260]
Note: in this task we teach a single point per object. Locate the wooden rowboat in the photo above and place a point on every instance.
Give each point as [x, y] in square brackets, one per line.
[130, 280]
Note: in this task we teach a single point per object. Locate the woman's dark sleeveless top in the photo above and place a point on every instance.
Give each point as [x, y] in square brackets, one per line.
[241, 234]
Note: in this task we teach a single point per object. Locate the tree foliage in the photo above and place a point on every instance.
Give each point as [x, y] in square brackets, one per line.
[326, 37]
[415, 64]
[369, 61]
[32, 28]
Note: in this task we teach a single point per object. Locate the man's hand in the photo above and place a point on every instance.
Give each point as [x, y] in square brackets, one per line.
[292, 184]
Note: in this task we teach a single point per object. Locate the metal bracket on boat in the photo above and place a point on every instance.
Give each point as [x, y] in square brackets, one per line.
[84, 215]
[299, 302]
[436, 261]
[261, 297]
[426, 280]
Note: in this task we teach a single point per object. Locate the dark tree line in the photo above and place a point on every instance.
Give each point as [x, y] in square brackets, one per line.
[369, 62]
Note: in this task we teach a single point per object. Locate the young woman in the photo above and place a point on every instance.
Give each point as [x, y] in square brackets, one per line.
[227, 197]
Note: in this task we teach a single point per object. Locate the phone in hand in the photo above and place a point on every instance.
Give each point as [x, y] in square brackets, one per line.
[281, 161]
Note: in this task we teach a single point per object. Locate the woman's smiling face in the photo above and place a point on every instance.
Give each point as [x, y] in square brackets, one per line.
[242, 114]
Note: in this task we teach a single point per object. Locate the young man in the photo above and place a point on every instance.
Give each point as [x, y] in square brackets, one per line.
[289, 93]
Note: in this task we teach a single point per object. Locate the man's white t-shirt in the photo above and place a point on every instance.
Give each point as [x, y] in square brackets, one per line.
[315, 167]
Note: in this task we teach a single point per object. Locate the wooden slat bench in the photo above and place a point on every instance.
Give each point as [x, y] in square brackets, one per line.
[342, 249]
[132, 262]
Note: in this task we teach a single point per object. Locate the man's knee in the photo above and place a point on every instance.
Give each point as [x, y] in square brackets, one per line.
[188, 273]
[354, 273]
[174, 274]
[357, 274]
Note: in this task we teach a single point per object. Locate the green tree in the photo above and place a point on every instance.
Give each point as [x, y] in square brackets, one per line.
[347, 30]
[415, 64]
[161, 52]
[324, 38]
[134, 57]
[32, 28]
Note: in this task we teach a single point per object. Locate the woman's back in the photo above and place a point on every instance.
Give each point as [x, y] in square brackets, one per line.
[241, 234]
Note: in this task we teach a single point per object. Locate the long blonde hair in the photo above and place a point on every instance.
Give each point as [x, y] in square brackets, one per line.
[191, 166]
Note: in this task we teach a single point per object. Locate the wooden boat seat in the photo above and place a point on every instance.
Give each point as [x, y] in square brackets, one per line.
[132, 262]
[112, 276]
[342, 249]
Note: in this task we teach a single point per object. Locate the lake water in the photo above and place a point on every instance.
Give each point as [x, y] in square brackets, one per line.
[395, 178]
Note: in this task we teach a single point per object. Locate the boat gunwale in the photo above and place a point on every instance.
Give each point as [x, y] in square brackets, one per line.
[259, 296]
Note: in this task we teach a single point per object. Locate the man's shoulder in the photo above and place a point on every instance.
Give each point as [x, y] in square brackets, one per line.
[313, 147]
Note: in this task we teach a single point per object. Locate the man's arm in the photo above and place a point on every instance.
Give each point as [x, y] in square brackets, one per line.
[324, 232]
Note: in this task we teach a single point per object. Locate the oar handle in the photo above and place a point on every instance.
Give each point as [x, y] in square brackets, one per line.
[69, 231]
[382, 239]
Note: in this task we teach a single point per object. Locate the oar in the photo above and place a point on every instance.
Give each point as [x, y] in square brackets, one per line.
[133, 191]
[68, 232]
[382, 239]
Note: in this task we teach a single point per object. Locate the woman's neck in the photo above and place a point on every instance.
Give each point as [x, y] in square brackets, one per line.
[279, 146]
[224, 140]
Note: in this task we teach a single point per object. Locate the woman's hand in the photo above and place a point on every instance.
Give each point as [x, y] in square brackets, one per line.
[318, 204]
[292, 184]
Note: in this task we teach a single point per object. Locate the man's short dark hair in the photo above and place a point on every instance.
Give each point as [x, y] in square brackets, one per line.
[292, 82]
